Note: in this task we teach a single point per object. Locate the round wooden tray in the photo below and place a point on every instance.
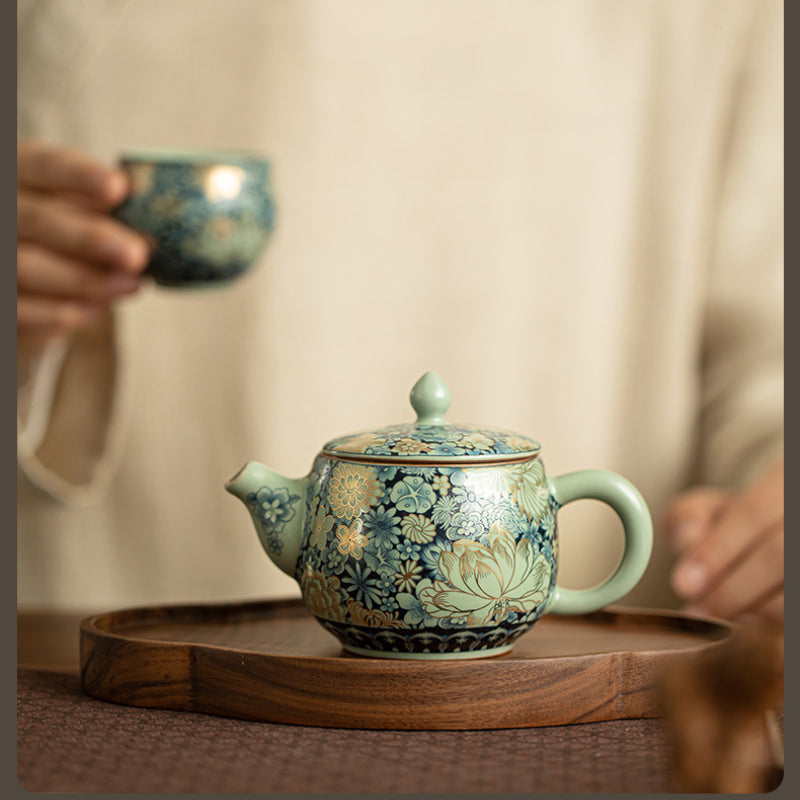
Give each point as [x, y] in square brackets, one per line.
[271, 661]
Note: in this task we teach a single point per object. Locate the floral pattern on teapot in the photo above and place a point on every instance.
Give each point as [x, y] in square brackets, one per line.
[411, 558]
[434, 441]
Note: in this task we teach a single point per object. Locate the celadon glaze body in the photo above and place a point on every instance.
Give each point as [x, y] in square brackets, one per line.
[433, 541]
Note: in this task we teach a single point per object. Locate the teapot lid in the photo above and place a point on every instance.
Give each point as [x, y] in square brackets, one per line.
[431, 437]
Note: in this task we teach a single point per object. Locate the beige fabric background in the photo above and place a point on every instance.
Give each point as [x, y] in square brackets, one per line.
[569, 210]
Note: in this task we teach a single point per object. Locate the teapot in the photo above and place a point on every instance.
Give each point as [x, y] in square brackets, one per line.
[433, 540]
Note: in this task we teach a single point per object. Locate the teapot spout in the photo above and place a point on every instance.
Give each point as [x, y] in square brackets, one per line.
[277, 507]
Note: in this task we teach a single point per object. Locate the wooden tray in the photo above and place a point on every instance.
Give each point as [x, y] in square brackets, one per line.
[271, 661]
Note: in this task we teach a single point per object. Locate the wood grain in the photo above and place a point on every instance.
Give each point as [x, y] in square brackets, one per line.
[271, 661]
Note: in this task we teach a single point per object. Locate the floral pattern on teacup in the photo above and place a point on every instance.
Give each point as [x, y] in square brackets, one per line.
[208, 223]
[223, 240]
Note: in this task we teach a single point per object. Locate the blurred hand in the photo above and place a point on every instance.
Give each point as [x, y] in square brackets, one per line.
[73, 259]
[730, 549]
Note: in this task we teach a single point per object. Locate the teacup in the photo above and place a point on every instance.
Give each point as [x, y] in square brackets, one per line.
[208, 215]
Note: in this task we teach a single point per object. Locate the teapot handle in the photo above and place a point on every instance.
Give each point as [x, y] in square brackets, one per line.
[628, 503]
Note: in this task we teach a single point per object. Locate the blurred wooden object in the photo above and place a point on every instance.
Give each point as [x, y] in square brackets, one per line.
[721, 710]
[49, 640]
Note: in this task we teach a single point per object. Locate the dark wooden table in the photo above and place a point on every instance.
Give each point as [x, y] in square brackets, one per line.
[69, 742]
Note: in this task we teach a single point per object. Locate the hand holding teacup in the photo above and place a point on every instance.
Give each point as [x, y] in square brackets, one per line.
[74, 261]
[190, 219]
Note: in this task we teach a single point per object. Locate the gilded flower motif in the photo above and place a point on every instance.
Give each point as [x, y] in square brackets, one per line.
[321, 594]
[484, 584]
[372, 617]
[352, 489]
[408, 447]
[360, 443]
[351, 541]
[529, 489]
[440, 483]
[407, 575]
[418, 528]
[479, 441]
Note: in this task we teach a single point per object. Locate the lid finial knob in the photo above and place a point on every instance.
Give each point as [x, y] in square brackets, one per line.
[430, 398]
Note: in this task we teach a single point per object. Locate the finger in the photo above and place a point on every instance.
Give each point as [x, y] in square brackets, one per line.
[767, 610]
[46, 272]
[756, 576]
[79, 201]
[53, 169]
[46, 317]
[748, 516]
[691, 514]
[81, 236]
